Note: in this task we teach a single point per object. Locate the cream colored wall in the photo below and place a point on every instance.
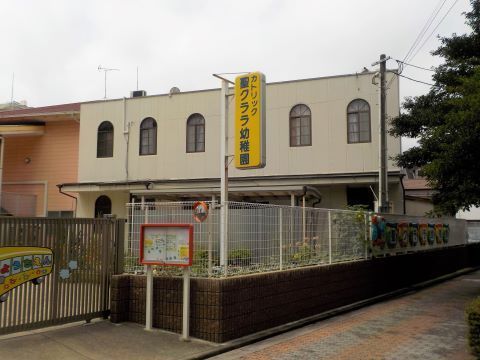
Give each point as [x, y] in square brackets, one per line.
[395, 195]
[333, 197]
[330, 153]
[86, 203]
[418, 208]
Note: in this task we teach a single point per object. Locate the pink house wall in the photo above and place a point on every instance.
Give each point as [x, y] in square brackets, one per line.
[54, 159]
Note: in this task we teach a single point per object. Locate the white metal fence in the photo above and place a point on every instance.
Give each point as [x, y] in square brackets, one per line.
[473, 231]
[263, 237]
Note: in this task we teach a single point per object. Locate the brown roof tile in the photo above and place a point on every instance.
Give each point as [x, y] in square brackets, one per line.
[415, 184]
[73, 107]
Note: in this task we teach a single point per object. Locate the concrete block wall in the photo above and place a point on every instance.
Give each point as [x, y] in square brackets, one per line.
[225, 309]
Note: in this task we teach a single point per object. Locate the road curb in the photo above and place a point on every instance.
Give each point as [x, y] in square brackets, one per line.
[265, 334]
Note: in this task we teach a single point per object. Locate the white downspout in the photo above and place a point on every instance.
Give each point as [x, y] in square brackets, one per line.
[2, 142]
[126, 134]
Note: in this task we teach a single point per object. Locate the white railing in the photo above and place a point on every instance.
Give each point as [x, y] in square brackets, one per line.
[269, 237]
[473, 231]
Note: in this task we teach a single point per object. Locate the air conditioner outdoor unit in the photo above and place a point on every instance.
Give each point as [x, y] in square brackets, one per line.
[138, 93]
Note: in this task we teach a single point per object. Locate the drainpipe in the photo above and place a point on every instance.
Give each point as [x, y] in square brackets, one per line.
[403, 191]
[126, 134]
[2, 143]
[71, 196]
[314, 192]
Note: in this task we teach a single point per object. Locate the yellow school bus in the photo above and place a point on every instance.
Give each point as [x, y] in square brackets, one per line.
[21, 264]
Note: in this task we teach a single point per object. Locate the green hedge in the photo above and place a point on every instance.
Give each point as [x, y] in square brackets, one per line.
[473, 319]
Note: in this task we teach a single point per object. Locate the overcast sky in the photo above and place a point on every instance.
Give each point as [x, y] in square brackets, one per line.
[55, 47]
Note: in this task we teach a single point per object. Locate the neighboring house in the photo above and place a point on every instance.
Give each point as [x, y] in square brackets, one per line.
[321, 147]
[13, 105]
[418, 196]
[39, 150]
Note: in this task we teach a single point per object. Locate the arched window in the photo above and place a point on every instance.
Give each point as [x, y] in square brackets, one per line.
[195, 133]
[103, 205]
[105, 140]
[358, 122]
[300, 126]
[148, 137]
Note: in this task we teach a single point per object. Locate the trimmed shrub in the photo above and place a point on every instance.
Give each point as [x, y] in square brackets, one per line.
[472, 313]
[240, 257]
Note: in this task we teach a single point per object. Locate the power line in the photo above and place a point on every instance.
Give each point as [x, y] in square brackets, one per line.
[436, 27]
[415, 66]
[419, 37]
[421, 82]
[425, 28]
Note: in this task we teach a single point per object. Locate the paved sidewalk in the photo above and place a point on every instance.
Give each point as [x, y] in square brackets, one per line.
[429, 324]
[100, 340]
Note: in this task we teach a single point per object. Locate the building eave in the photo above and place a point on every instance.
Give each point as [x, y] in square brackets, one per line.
[259, 181]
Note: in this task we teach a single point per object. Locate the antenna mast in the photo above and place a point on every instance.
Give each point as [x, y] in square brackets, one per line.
[105, 70]
[137, 77]
[11, 97]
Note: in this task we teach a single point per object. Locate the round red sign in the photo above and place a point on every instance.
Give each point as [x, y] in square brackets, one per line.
[200, 211]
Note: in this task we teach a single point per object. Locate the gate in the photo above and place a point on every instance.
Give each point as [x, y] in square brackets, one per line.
[86, 254]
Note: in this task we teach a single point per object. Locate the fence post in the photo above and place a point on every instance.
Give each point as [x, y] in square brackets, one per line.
[209, 235]
[119, 246]
[280, 229]
[304, 221]
[329, 237]
[367, 237]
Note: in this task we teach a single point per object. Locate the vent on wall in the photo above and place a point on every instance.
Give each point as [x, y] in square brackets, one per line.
[138, 93]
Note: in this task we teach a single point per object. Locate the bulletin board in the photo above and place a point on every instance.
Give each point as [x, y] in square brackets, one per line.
[166, 244]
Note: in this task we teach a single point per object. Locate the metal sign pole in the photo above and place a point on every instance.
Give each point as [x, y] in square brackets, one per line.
[223, 174]
[149, 296]
[186, 304]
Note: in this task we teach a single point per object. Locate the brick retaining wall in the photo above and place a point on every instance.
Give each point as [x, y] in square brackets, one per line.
[225, 309]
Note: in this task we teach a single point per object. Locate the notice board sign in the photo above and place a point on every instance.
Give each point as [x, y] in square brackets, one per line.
[166, 244]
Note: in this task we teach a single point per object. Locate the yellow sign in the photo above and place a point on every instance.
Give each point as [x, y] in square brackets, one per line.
[250, 121]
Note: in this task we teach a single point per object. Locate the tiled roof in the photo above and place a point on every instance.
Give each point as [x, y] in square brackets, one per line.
[416, 184]
[73, 107]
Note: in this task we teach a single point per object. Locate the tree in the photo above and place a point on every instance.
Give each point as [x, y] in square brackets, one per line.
[446, 121]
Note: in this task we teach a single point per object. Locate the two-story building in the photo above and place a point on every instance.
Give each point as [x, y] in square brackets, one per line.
[38, 150]
[322, 146]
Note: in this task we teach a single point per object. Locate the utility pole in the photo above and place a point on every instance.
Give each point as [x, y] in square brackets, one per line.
[384, 206]
[383, 174]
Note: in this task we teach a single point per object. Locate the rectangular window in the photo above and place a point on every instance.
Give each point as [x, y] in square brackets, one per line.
[148, 142]
[105, 144]
[60, 214]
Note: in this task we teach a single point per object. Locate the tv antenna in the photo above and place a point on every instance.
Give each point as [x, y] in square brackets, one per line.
[105, 70]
